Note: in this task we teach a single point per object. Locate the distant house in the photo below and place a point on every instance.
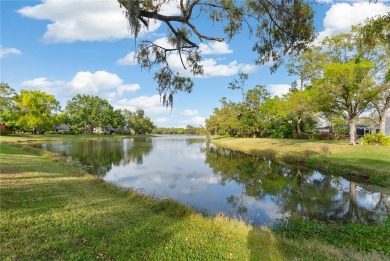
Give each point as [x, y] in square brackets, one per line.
[61, 128]
[361, 130]
[109, 131]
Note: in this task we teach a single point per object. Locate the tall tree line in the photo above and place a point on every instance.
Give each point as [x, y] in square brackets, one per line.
[38, 112]
[343, 78]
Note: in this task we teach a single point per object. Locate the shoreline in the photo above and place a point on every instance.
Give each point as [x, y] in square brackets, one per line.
[52, 209]
[368, 163]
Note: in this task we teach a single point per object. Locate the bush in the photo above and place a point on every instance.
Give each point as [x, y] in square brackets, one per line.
[4, 130]
[376, 139]
[325, 136]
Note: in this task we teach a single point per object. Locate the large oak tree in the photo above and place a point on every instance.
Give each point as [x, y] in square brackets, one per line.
[278, 27]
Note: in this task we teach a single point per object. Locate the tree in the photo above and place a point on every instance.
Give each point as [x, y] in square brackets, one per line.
[375, 36]
[89, 112]
[346, 90]
[300, 105]
[7, 106]
[140, 123]
[280, 28]
[224, 120]
[239, 84]
[36, 111]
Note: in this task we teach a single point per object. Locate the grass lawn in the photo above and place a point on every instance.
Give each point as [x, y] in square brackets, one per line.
[371, 162]
[53, 210]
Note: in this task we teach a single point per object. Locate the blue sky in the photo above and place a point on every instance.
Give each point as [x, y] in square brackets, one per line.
[66, 47]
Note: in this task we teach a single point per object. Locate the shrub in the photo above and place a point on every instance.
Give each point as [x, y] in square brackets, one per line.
[325, 136]
[4, 130]
[376, 139]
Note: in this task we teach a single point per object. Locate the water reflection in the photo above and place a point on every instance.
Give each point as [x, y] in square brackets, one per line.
[297, 192]
[217, 180]
[99, 156]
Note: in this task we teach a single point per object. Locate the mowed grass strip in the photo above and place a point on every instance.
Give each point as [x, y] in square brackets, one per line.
[371, 162]
[52, 210]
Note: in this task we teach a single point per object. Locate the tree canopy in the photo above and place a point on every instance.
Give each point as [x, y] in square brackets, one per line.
[36, 111]
[278, 27]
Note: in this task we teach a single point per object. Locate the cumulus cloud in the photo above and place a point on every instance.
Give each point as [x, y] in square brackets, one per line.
[42, 82]
[189, 112]
[45, 85]
[278, 89]
[83, 20]
[215, 48]
[195, 121]
[341, 16]
[160, 120]
[211, 68]
[85, 82]
[128, 59]
[150, 104]
[4, 51]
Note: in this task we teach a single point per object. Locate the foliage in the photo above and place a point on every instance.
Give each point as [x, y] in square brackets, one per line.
[138, 122]
[86, 113]
[360, 237]
[4, 130]
[189, 129]
[280, 28]
[36, 111]
[6, 101]
[370, 162]
[376, 139]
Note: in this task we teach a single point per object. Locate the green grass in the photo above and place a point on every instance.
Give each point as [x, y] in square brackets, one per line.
[52, 210]
[371, 162]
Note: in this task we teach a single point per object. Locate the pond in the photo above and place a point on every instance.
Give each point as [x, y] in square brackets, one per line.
[218, 180]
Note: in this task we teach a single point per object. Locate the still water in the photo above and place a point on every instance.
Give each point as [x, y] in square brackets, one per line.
[214, 180]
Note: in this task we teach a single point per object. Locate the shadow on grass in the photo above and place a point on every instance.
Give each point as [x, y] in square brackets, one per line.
[68, 215]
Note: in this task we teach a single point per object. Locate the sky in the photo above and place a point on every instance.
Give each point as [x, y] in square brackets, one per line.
[69, 47]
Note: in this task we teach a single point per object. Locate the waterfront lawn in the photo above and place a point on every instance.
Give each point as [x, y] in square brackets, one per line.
[371, 162]
[52, 210]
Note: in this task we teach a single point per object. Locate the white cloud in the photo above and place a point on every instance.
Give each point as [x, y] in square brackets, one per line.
[189, 112]
[278, 89]
[129, 59]
[150, 104]
[128, 88]
[160, 120]
[82, 20]
[85, 82]
[45, 85]
[42, 82]
[211, 68]
[4, 51]
[341, 16]
[195, 121]
[215, 48]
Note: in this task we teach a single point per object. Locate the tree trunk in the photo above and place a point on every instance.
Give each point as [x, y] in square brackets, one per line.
[299, 125]
[352, 131]
[352, 202]
[382, 122]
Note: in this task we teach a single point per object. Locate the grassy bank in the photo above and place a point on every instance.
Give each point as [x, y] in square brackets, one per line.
[371, 162]
[52, 210]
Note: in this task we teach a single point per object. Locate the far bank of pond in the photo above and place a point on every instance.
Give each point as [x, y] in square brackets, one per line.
[369, 162]
[53, 210]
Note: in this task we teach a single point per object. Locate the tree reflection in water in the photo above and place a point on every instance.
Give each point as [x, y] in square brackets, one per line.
[296, 191]
[100, 155]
